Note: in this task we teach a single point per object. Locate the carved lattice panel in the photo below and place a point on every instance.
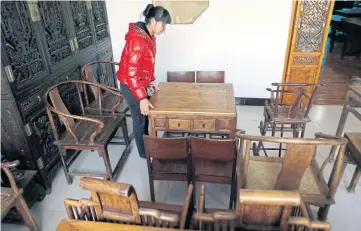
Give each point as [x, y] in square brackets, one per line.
[55, 30]
[82, 24]
[312, 22]
[100, 19]
[20, 42]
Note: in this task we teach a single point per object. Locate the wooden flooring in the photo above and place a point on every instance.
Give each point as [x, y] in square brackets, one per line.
[336, 70]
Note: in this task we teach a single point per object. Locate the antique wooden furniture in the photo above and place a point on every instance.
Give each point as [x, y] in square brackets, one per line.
[297, 170]
[352, 45]
[118, 202]
[194, 108]
[76, 225]
[260, 210]
[43, 43]
[353, 151]
[12, 197]
[210, 76]
[167, 159]
[94, 72]
[84, 132]
[214, 161]
[286, 117]
[181, 76]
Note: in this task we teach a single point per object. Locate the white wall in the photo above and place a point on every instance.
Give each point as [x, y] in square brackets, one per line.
[247, 39]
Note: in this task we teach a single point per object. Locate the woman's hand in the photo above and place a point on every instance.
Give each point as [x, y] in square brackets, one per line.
[154, 86]
[144, 106]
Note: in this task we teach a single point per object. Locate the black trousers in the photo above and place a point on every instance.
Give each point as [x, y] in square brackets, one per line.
[140, 122]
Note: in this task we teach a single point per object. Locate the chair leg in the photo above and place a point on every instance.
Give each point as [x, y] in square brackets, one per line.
[355, 178]
[151, 188]
[323, 212]
[62, 152]
[25, 213]
[123, 124]
[104, 154]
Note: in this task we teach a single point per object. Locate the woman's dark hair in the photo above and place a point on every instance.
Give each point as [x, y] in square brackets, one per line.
[158, 13]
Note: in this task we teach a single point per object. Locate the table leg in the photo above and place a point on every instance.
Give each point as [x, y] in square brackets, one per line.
[151, 127]
[355, 178]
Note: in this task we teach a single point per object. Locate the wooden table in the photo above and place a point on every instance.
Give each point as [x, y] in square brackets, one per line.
[354, 157]
[193, 107]
[78, 225]
[352, 28]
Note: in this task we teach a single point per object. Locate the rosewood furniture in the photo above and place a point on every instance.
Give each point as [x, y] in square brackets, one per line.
[181, 76]
[214, 161]
[94, 72]
[91, 132]
[44, 43]
[259, 210]
[118, 202]
[12, 197]
[297, 170]
[75, 225]
[283, 117]
[167, 159]
[194, 108]
[352, 45]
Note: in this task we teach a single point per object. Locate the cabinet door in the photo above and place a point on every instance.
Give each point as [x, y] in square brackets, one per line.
[80, 20]
[100, 19]
[22, 56]
[59, 45]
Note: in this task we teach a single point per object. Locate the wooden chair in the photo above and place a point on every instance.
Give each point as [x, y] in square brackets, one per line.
[12, 197]
[281, 116]
[259, 210]
[182, 77]
[214, 161]
[118, 202]
[100, 72]
[210, 76]
[297, 170]
[92, 132]
[167, 159]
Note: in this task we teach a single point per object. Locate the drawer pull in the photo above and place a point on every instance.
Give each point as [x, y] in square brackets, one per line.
[203, 125]
[178, 124]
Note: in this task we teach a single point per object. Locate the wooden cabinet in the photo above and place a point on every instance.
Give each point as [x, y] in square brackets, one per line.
[43, 43]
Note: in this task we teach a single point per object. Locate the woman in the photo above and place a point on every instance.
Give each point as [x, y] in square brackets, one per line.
[136, 71]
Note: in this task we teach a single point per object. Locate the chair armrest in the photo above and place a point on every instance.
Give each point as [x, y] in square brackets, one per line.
[320, 225]
[10, 164]
[5, 167]
[326, 136]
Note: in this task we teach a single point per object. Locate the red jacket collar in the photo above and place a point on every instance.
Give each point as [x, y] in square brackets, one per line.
[135, 31]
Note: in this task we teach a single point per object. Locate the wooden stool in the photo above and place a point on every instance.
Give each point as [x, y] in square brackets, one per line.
[353, 153]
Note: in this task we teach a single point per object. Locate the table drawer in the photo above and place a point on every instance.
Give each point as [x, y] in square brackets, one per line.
[179, 124]
[204, 125]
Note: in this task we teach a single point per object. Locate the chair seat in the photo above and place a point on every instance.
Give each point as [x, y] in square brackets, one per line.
[108, 101]
[8, 198]
[84, 129]
[263, 173]
[283, 115]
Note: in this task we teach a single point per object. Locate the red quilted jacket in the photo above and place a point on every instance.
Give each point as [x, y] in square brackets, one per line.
[136, 69]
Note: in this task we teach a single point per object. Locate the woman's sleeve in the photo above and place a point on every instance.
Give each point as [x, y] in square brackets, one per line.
[135, 55]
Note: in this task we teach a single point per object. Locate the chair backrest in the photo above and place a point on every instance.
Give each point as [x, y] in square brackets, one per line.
[58, 104]
[210, 76]
[88, 72]
[113, 200]
[299, 96]
[181, 76]
[212, 158]
[298, 161]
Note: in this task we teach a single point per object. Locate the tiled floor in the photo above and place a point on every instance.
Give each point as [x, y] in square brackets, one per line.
[345, 215]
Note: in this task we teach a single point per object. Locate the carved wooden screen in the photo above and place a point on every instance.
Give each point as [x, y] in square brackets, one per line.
[306, 41]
